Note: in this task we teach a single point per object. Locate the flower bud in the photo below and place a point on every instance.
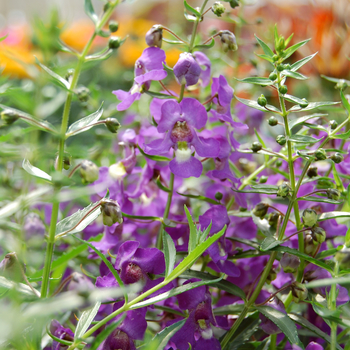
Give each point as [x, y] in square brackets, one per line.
[287, 66]
[289, 263]
[318, 235]
[262, 100]
[154, 36]
[281, 140]
[273, 121]
[112, 125]
[66, 161]
[273, 219]
[312, 171]
[337, 157]
[283, 190]
[320, 154]
[11, 268]
[114, 42]
[234, 3]
[187, 69]
[83, 93]
[280, 67]
[333, 124]
[273, 76]
[324, 183]
[228, 40]
[9, 117]
[118, 340]
[263, 179]
[111, 212]
[333, 193]
[343, 257]
[256, 147]
[283, 89]
[271, 276]
[278, 163]
[341, 84]
[113, 26]
[218, 196]
[299, 292]
[309, 217]
[89, 171]
[218, 8]
[309, 247]
[260, 210]
[275, 58]
[281, 44]
[304, 104]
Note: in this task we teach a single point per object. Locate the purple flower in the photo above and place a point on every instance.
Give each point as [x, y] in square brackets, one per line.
[62, 333]
[203, 60]
[147, 68]
[314, 346]
[187, 69]
[33, 225]
[179, 121]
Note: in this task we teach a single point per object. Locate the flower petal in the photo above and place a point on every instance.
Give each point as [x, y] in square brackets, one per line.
[194, 112]
[157, 74]
[170, 114]
[191, 167]
[205, 147]
[159, 146]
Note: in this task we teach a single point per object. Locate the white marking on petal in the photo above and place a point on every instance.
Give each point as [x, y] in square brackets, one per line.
[182, 155]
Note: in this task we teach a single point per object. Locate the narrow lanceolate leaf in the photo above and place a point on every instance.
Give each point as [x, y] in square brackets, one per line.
[301, 120]
[84, 124]
[319, 199]
[292, 99]
[283, 322]
[269, 242]
[290, 50]
[192, 242]
[23, 289]
[297, 138]
[205, 46]
[328, 282]
[345, 102]
[169, 253]
[202, 198]
[311, 106]
[343, 136]
[257, 81]
[29, 168]
[311, 327]
[192, 10]
[265, 47]
[335, 80]
[333, 215]
[265, 57]
[254, 104]
[159, 95]
[156, 158]
[294, 75]
[162, 338]
[85, 320]
[263, 189]
[55, 77]
[89, 10]
[295, 66]
[245, 330]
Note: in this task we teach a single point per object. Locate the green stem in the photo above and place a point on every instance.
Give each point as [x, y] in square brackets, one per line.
[194, 31]
[273, 340]
[64, 124]
[333, 306]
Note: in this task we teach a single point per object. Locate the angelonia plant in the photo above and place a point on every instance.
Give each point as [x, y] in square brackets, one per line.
[192, 239]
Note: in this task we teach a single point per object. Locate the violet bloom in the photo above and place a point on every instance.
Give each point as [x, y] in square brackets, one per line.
[179, 121]
[62, 333]
[33, 225]
[203, 61]
[147, 68]
[187, 69]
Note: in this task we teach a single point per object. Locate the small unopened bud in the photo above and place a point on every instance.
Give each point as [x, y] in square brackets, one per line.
[320, 154]
[318, 235]
[69, 74]
[9, 117]
[289, 263]
[309, 217]
[337, 157]
[309, 247]
[112, 125]
[218, 8]
[281, 44]
[113, 26]
[218, 196]
[275, 58]
[278, 163]
[114, 42]
[260, 210]
[187, 70]
[273, 121]
[333, 193]
[11, 268]
[273, 219]
[299, 292]
[324, 183]
[312, 171]
[256, 146]
[280, 67]
[283, 89]
[271, 276]
[89, 171]
[283, 190]
[281, 140]
[263, 179]
[111, 212]
[67, 158]
[304, 104]
[341, 84]
[287, 66]
[228, 40]
[234, 3]
[333, 124]
[273, 76]
[262, 100]
[83, 93]
[154, 36]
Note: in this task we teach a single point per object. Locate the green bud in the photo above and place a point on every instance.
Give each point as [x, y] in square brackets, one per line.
[273, 76]
[304, 104]
[66, 161]
[234, 3]
[341, 84]
[333, 193]
[272, 121]
[333, 124]
[271, 276]
[320, 154]
[256, 146]
[283, 190]
[218, 196]
[281, 44]
[262, 100]
[89, 171]
[318, 235]
[289, 263]
[283, 89]
[106, 6]
[70, 73]
[113, 26]
[278, 163]
[309, 247]
[218, 8]
[309, 217]
[275, 58]
[112, 125]
[343, 257]
[280, 67]
[263, 179]
[260, 210]
[287, 66]
[273, 219]
[337, 157]
[9, 117]
[111, 212]
[83, 93]
[312, 171]
[114, 42]
[299, 292]
[228, 40]
[281, 140]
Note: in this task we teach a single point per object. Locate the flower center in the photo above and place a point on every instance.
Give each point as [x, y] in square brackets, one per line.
[183, 152]
[181, 132]
[133, 273]
[119, 341]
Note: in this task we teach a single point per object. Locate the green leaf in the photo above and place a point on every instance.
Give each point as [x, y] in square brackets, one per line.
[294, 75]
[85, 320]
[333, 215]
[311, 106]
[192, 242]
[89, 10]
[283, 322]
[159, 95]
[29, 168]
[265, 57]
[335, 80]
[345, 102]
[103, 55]
[319, 200]
[205, 46]
[56, 78]
[287, 41]
[292, 99]
[156, 158]
[199, 197]
[254, 104]
[290, 50]
[169, 253]
[84, 124]
[269, 242]
[343, 136]
[174, 42]
[311, 327]
[233, 309]
[328, 282]
[301, 120]
[295, 66]
[161, 186]
[245, 330]
[257, 81]
[22, 289]
[297, 138]
[265, 47]
[264, 189]
[162, 338]
[191, 9]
